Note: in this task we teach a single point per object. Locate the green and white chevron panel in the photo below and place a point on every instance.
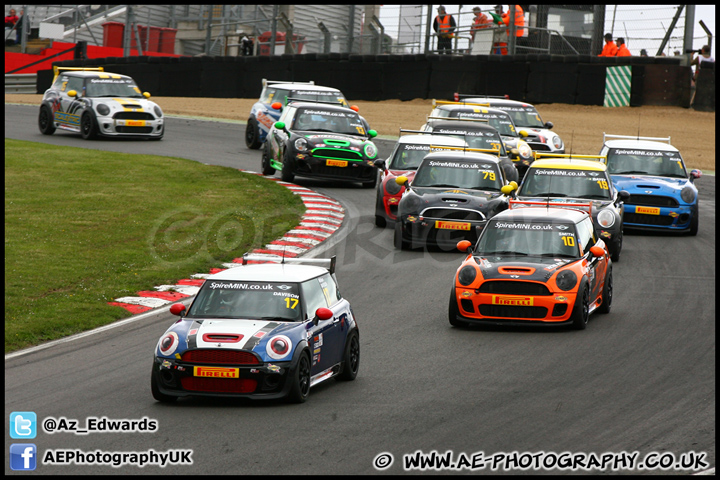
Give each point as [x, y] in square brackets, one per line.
[617, 86]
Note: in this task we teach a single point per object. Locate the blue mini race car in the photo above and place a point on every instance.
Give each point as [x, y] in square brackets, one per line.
[263, 115]
[262, 331]
[663, 196]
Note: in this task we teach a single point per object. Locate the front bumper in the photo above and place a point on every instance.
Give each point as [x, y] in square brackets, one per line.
[114, 127]
[420, 231]
[679, 219]
[517, 310]
[332, 169]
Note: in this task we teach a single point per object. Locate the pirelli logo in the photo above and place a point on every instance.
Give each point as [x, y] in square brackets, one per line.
[452, 225]
[647, 210]
[216, 372]
[515, 301]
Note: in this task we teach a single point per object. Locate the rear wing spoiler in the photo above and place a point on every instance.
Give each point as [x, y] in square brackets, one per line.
[266, 82]
[328, 263]
[570, 156]
[445, 102]
[460, 96]
[57, 70]
[637, 137]
[583, 207]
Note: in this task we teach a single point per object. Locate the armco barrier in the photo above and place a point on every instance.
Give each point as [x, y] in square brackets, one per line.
[536, 78]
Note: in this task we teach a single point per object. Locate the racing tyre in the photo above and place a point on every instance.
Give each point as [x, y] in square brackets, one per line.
[607, 292]
[616, 248]
[252, 134]
[88, 126]
[380, 221]
[694, 223]
[453, 311]
[265, 162]
[45, 121]
[398, 240]
[157, 394]
[581, 310]
[286, 174]
[300, 388]
[351, 358]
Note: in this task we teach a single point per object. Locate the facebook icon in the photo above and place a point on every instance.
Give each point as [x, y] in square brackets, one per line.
[23, 456]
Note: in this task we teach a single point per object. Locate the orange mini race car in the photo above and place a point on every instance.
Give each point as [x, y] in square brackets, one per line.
[538, 265]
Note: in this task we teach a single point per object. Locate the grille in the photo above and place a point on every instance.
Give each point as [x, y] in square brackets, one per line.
[652, 201]
[335, 153]
[230, 357]
[348, 172]
[559, 309]
[658, 220]
[467, 305]
[219, 385]
[504, 287]
[133, 116]
[512, 311]
[539, 146]
[134, 129]
[453, 214]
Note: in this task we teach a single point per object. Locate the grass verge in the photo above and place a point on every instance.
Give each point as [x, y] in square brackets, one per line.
[84, 227]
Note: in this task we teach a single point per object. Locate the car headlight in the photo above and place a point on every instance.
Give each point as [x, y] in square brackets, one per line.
[391, 186]
[410, 204]
[524, 150]
[278, 347]
[168, 343]
[566, 280]
[557, 142]
[102, 109]
[606, 218]
[688, 195]
[370, 150]
[467, 275]
[301, 145]
[158, 111]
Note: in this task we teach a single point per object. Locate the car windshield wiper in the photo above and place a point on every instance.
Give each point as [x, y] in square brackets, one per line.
[629, 171]
[558, 255]
[505, 252]
[439, 185]
[480, 187]
[552, 194]
[603, 197]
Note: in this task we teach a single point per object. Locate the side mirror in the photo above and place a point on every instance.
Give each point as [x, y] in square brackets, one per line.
[372, 133]
[523, 133]
[380, 163]
[549, 125]
[464, 246]
[322, 313]
[695, 174]
[354, 108]
[401, 180]
[177, 309]
[624, 195]
[72, 93]
[597, 251]
[146, 94]
[507, 189]
[280, 125]
[276, 106]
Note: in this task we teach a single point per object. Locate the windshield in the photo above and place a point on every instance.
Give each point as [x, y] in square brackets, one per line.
[247, 300]
[319, 96]
[555, 182]
[320, 120]
[648, 162]
[519, 237]
[408, 156]
[525, 116]
[485, 139]
[459, 174]
[112, 87]
[501, 121]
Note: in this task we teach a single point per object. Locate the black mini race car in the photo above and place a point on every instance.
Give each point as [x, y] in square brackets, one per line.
[322, 141]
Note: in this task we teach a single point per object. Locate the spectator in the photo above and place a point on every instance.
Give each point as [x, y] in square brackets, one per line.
[643, 53]
[676, 53]
[480, 22]
[444, 25]
[519, 21]
[19, 27]
[703, 57]
[500, 36]
[11, 19]
[246, 46]
[610, 49]
[622, 49]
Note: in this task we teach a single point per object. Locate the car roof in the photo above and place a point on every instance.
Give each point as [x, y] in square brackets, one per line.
[299, 87]
[460, 124]
[542, 214]
[461, 155]
[91, 74]
[321, 106]
[569, 163]
[497, 101]
[430, 139]
[472, 108]
[270, 272]
[641, 145]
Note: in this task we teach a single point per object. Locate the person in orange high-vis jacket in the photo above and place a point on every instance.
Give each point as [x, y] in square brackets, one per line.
[444, 25]
[480, 22]
[519, 21]
[610, 49]
[622, 49]
[500, 36]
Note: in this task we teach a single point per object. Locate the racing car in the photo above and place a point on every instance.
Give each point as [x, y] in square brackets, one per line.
[322, 141]
[93, 103]
[404, 160]
[563, 178]
[663, 196]
[273, 98]
[261, 331]
[526, 117]
[538, 265]
[453, 195]
[499, 119]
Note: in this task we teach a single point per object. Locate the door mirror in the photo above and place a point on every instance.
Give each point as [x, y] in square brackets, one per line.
[549, 125]
[464, 246]
[322, 313]
[276, 106]
[177, 309]
[596, 251]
